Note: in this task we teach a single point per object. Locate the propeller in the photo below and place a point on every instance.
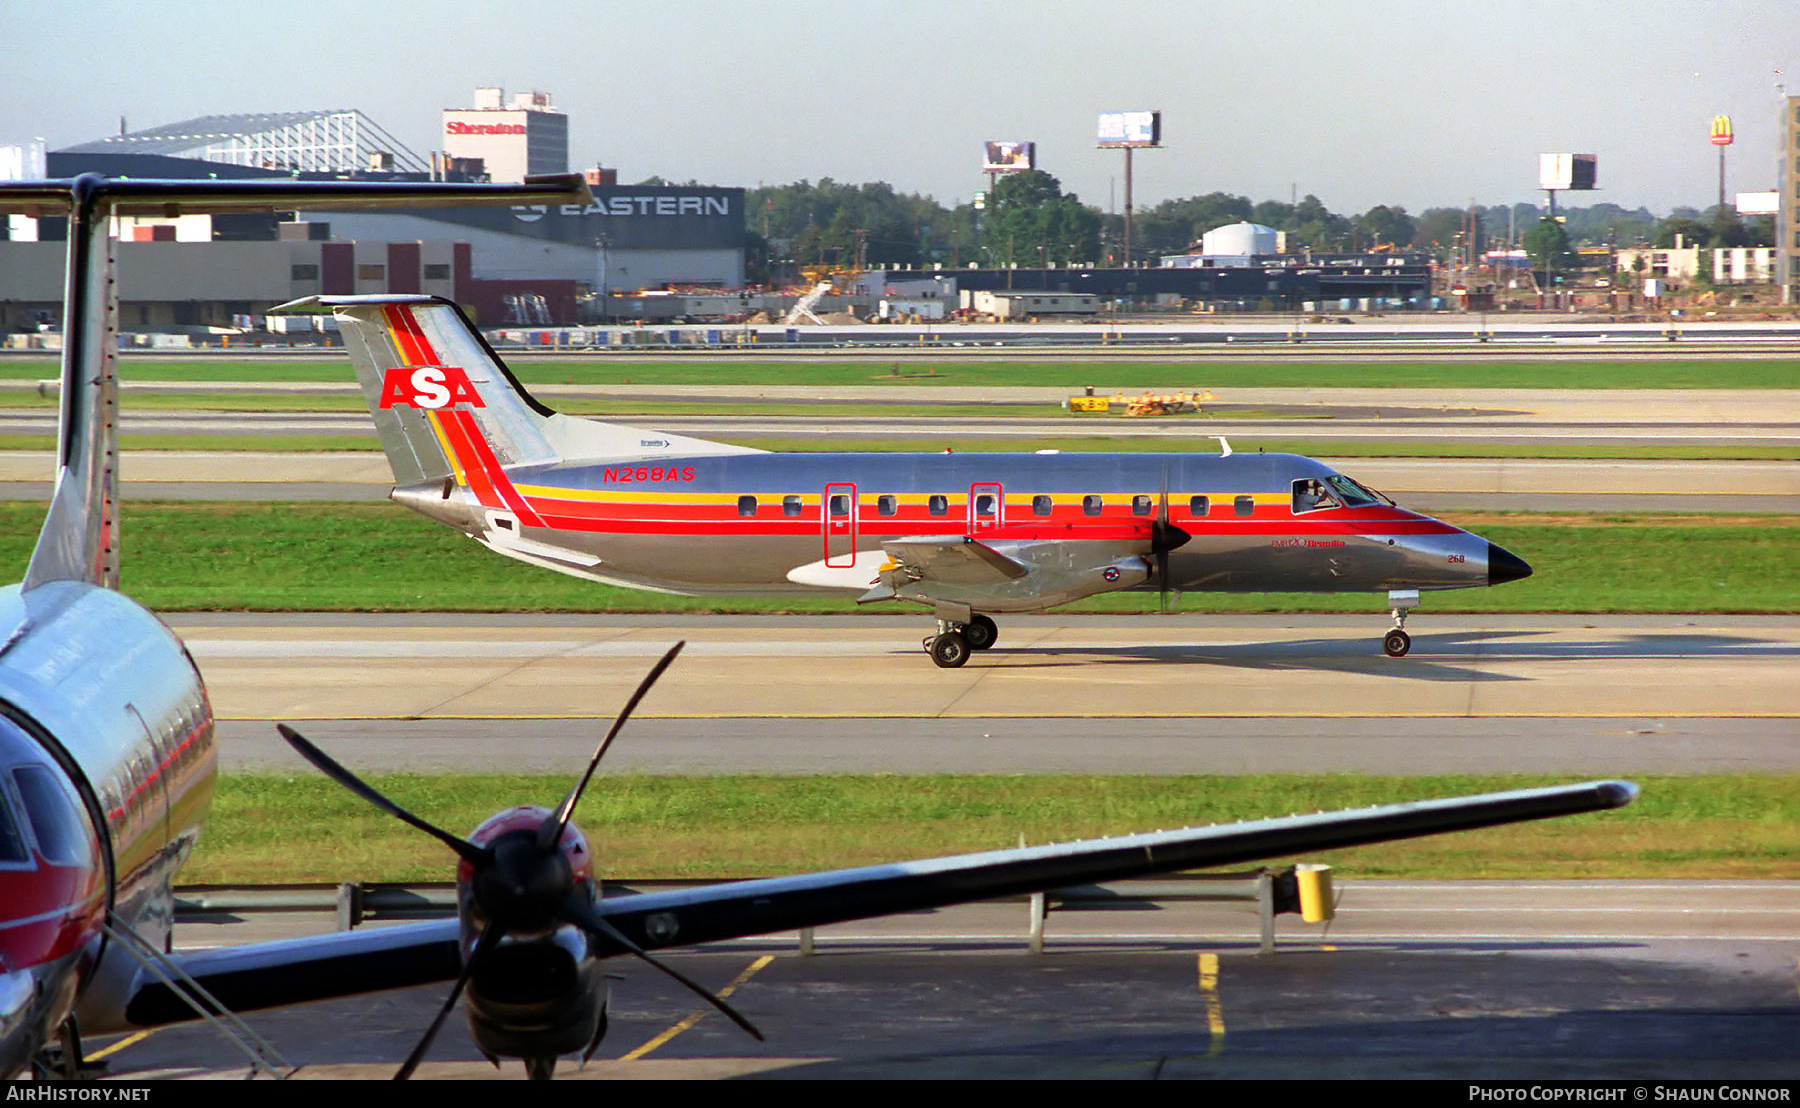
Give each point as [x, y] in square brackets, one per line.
[521, 881]
[1164, 537]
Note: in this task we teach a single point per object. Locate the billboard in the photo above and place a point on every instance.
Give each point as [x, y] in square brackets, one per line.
[1009, 157]
[1139, 128]
[1567, 171]
[1758, 203]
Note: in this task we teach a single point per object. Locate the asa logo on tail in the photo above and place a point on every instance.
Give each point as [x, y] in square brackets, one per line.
[428, 386]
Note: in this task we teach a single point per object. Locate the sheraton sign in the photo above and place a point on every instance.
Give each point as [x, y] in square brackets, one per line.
[484, 128]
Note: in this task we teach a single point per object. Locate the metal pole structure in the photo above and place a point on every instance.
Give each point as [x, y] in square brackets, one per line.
[1128, 207]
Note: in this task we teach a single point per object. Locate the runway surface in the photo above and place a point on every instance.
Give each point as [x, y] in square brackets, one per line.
[1501, 980]
[1081, 694]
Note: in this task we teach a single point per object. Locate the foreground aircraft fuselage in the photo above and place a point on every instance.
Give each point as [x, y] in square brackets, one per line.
[964, 534]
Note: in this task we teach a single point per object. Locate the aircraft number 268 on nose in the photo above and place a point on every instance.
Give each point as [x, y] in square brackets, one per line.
[428, 386]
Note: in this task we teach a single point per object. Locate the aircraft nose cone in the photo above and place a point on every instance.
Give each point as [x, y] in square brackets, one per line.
[1504, 565]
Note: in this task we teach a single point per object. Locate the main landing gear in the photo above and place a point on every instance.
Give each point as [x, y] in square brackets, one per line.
[1397, 642]
[951, 646]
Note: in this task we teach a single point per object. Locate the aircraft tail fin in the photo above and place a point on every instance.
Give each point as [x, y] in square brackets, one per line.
[80, 537]
[446, 406]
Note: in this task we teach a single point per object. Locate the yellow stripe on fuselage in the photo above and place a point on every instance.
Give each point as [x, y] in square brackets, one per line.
[437, 428]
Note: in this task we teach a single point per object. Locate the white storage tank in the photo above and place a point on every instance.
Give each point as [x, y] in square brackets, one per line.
[1240, 240]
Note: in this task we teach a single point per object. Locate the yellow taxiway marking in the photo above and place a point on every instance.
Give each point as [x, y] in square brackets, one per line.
[1215, 1012]
[129, 1040]
[695, 1016]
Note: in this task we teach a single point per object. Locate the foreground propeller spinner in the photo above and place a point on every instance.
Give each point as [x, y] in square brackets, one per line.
[530, 929]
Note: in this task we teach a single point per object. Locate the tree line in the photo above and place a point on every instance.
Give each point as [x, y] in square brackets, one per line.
[1028, 220]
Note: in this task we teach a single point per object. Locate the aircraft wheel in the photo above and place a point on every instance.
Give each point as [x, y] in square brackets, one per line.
[950, 650]
[540, 1069]
[1397, 643]
[980, 633]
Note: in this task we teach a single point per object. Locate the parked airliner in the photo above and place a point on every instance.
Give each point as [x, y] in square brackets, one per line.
[966, 535]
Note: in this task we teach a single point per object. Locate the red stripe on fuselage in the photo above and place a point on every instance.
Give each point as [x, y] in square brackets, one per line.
[482, 455]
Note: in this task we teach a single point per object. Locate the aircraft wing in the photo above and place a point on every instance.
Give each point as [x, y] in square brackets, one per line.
[294, 971]
[739, 909]
[955, 559]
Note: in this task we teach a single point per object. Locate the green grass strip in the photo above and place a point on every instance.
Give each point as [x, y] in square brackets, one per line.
[268, 828]
[379, 557]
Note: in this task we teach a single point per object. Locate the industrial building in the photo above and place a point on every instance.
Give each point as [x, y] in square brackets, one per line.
[523, 266]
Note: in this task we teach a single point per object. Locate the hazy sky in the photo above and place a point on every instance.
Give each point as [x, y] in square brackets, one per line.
[1405, 102]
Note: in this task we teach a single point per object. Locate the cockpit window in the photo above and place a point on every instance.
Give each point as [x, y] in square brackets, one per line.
[1311, 495]
[12, 841]
[1352, 494]
[54, 819]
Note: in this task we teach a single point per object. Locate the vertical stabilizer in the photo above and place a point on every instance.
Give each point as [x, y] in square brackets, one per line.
[446, 406]
[80, 539]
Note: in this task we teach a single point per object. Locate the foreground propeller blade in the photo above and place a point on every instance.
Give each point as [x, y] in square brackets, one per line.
[329, 767]
[550, 831]
[1164, 537]
[579, 910]
[490, 938]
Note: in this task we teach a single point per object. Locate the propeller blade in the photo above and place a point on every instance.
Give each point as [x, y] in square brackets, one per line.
[550, 831]
[1164, 537]
[579, 910]
[327, 765]
[490, 938]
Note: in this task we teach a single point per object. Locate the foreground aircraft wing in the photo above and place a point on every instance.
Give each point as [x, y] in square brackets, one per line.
[268, 975]
[759, 907]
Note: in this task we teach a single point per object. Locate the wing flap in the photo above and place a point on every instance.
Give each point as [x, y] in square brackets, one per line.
[760, 907]
[953, 559]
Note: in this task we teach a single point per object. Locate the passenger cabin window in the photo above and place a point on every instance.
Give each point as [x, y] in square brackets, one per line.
[1140, 504]
[984, 505]
[886, 505]
[1311, 496]
[1040, 505]
[938, 504]
[1090, 505]
[840, 504]
[1243, 505]
[790, 505]
[746, 505]
[1198, 506]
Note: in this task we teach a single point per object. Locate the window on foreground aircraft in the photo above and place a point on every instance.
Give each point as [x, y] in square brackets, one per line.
[1244, 506]
[1090, 504]
[1040, 505]
[52, 814]
[790, 505]
[746, 505]
[12, 840]
[1140, 504]
[1199, 505]
[938, 505]
[886, 504]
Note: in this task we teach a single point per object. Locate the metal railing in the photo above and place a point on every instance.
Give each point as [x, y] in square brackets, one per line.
[1272, 892]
